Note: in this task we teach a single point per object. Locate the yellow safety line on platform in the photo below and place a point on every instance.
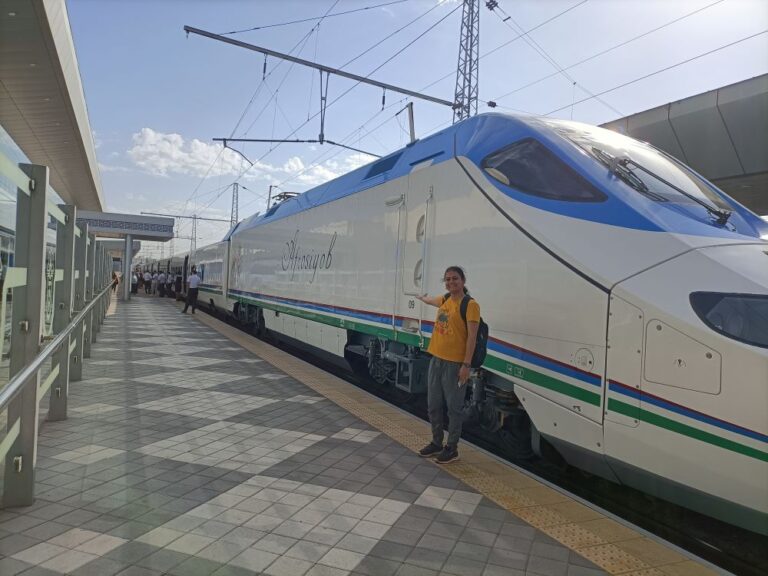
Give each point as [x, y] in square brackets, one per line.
[614, 547]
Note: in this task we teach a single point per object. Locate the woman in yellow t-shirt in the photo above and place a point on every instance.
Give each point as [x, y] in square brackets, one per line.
[451, 346]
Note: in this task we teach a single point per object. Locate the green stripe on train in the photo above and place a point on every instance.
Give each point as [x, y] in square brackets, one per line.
[491, 362]
[673, 425]
[542, 380]
[211, 290]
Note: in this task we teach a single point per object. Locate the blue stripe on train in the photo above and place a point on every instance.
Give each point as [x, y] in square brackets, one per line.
[495, 345]
[682, 410]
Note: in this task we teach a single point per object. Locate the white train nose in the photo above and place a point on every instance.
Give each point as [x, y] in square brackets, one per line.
[700, 395]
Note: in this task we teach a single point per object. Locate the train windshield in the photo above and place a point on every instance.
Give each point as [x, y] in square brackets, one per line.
[644, 168]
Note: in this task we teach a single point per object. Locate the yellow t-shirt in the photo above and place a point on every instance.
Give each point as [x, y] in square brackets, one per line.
[449, 335]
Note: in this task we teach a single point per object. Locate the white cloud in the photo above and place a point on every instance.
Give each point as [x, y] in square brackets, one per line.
[329, 169]
[112, 168]
[167, 154]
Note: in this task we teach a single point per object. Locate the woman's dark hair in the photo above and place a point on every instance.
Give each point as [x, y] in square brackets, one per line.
[460, 271]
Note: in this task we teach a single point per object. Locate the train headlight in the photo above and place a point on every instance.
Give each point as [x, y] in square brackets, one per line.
[743, 317]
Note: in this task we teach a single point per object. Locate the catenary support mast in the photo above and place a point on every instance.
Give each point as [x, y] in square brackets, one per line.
[469, 62]
[234, 219]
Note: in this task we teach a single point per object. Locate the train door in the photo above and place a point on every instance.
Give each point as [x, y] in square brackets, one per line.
[623, 363]
[417, 230]
[184, 274]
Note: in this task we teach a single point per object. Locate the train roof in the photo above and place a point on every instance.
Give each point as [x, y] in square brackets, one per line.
[481, 135]
[435, 148]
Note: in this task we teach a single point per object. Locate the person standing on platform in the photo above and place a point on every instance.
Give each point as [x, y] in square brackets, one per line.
[193, 281]
[161, 285]
[115, 281]
[147, 282]
[135, 282]
[154, 282]
[452, 346]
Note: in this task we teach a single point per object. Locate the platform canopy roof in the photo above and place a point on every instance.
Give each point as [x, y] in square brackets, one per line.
[113, 225]
[722, 134]
[42, 106]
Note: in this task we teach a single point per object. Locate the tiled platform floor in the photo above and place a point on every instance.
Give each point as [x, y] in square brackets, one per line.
[185, 454]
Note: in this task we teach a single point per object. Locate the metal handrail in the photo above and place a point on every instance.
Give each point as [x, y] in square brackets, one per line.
[17, 382]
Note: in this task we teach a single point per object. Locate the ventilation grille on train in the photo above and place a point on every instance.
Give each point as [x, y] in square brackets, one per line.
[383, 165]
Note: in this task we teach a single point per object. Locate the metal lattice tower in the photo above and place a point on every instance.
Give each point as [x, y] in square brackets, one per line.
[193, 238]
[234, 219]
[469, 62]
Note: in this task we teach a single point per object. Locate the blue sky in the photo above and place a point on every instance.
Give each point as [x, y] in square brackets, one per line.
[157, 98]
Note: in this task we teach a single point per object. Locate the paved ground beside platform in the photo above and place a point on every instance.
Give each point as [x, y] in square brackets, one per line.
[187, 454]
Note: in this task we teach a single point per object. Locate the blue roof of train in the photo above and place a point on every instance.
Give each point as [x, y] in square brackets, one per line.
[437, 147]
[481, 135]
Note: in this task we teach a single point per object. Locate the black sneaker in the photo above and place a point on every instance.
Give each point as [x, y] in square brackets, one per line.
[449, 454]
[430, 450]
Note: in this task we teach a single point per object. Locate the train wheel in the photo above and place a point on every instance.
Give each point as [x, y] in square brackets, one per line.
[489, 418]
[358, 364]
[515, 436]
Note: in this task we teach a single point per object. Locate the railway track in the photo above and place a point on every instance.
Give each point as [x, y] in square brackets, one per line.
[733, 549]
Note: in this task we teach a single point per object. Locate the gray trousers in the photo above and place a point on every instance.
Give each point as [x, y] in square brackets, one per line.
[443, 386]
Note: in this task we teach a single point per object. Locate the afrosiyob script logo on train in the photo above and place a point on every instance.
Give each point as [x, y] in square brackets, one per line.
[296, 258]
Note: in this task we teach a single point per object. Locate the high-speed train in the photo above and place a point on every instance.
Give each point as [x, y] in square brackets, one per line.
[627, 297]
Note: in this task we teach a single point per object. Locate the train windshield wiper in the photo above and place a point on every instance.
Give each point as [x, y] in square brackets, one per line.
[619, 169]
[720, 215]
[622, 168]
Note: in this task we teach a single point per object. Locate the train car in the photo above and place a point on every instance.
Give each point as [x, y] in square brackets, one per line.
[211, 262]
[627, 297]
[177, 267]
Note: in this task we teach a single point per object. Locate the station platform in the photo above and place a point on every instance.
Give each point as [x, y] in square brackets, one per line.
[194, 449]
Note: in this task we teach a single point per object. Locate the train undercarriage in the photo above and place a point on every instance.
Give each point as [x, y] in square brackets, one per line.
[490, 404]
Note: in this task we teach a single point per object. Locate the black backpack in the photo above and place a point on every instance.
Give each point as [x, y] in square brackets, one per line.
[481, 343]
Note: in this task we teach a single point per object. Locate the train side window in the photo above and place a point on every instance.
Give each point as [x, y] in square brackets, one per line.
[743, 317]
[529, 166]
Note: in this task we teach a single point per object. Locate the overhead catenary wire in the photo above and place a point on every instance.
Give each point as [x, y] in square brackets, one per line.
[335, 100]
[325, 68]
[452, 73]
[572, 8]
[370, 132]
[193, 195]
[273, 93]
[506, 19]
[331, 153]
[390, 35]
[302, 20]
[298, 45]
[303, 40]
[610, 49]
[348, 62]
[311, 76]
[294, 131]
[301, 43]
[666, 68]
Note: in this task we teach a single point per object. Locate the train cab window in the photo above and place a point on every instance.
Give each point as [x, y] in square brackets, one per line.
[528, 166]
[743, 317]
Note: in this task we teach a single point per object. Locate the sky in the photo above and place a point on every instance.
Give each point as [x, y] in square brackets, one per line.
[156, 98]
